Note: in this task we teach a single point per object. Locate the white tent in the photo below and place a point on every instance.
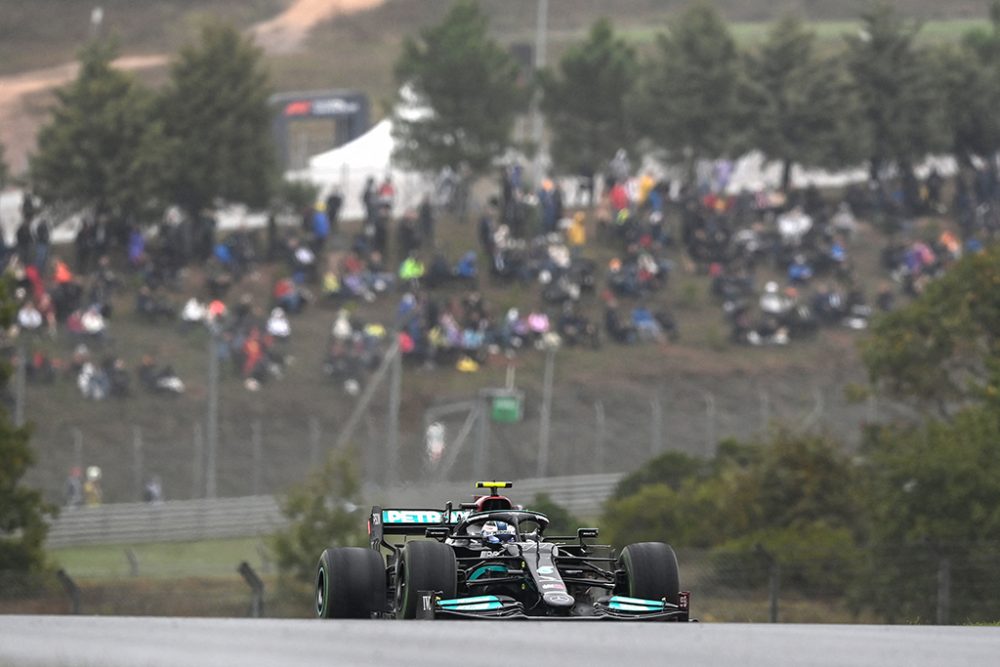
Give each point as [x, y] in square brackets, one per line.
[348, 167]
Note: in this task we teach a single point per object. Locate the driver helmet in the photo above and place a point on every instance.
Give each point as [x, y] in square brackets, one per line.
[496, 532]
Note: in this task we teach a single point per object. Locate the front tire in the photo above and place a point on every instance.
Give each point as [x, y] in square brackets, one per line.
[425, 566]
[350, 583]
[650, 572]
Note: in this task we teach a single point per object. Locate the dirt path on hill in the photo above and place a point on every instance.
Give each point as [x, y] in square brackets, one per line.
[19, 121]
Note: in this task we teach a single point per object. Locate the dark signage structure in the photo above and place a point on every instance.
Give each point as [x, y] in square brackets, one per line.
[308, 123]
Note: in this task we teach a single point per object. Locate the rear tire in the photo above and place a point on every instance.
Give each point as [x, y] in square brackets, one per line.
[350, 583]
[650, 572]
[425, 566]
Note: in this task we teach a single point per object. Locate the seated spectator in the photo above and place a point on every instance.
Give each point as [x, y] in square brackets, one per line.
[289, 296]
[773, 302]
[278, 325]
[619, 330]
[93, 323]
[93, 382]
[151, 306]
[799, 271]
[193, 314]
[646, 326]
[29, 318]
[119, 383]
[159, 380]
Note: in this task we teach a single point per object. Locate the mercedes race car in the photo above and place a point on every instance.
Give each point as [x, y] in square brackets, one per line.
[492, 559]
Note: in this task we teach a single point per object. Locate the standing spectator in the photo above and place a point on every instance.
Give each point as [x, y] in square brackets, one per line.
[92, 493]
[74, 488]
[334, 202]
[24, 241]
[369, 199]
[320, 227]
[425, 217]
[42, 245]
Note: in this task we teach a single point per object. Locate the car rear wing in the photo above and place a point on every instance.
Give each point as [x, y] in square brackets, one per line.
[410, 521]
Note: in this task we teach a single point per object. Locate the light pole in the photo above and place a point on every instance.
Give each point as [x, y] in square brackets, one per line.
[546, 426]
[212, 430]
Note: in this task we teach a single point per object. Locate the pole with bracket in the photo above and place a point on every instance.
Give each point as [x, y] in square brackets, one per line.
[71, 589]
[256, 589]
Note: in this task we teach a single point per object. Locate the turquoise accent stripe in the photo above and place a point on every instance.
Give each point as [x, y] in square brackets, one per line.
[472, 600]
[637, 601]
[487, 568]
[482, 606]
[618, 606]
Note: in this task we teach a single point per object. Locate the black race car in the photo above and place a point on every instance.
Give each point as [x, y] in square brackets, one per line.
[492, 559]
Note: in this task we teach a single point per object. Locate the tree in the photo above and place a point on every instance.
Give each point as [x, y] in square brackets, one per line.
[931, 500]
[467, 93]
[586, 100]
[217, 120]
[22, 510]
[792, 494]
[900, 98]
[102, 148]
[322, 513]
[802, 109]
[689, 103]
[943, 348]
[970, 76]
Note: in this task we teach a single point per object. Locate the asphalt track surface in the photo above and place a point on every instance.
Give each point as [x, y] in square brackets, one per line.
[67, 641]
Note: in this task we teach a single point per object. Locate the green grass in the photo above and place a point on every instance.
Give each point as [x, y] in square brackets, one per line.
[163, 560]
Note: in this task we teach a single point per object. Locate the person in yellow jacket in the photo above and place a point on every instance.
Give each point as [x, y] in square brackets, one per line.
[576, 233]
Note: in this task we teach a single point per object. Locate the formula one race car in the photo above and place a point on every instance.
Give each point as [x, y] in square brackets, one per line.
[492, 559]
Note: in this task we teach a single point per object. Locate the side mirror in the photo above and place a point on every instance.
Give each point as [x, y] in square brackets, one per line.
[437, 532]
[586, 533]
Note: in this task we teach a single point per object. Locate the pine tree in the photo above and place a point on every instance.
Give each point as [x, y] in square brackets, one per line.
[217, 121]
[467, 89]
[689, 105]
[801, 108]
[102, 148]
[587, 99]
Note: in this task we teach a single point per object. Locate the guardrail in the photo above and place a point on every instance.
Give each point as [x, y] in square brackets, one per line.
[248, 516]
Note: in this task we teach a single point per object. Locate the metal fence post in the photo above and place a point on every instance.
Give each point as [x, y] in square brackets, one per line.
[656, 431]
[197, 461]
[773, 589]
[944, 591]
[315, 435]
[78, 447]
[709, 424]
[392, 439]
[71, 589]
[212, 419]
[133, 562]
[256, 589]
[482, 439]
[546, 421]
[601, 435]
[258, 454]
[765, 410]
[137, 461]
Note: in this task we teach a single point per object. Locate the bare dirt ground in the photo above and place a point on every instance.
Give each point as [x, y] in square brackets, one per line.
[20, 118]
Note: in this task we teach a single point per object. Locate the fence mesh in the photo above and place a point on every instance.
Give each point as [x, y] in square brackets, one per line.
[908, 585]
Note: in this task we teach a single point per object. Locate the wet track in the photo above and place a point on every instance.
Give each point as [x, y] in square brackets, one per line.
[58, 641]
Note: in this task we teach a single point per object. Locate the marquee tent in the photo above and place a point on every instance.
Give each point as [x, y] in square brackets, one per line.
[348, 167]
